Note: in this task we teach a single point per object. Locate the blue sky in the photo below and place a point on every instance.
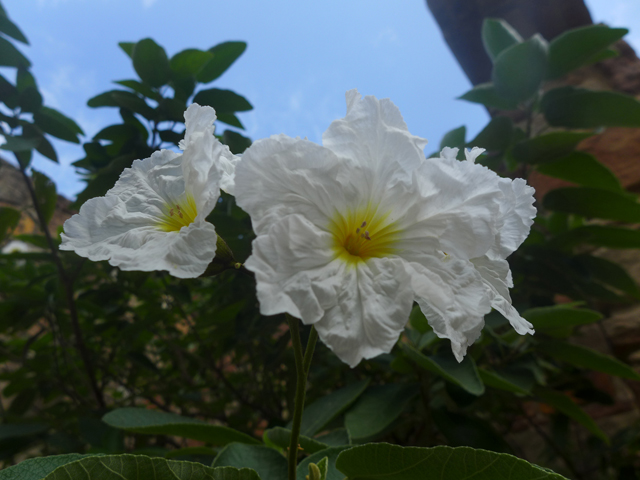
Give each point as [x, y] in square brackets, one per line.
[301, 59]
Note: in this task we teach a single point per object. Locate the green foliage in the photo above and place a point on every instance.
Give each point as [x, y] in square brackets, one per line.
[391, 462]
[269, 464]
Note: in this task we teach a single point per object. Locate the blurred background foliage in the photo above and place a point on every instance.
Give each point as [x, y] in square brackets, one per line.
[81, 343]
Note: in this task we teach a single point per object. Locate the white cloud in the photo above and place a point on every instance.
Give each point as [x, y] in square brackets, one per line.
[386, 37]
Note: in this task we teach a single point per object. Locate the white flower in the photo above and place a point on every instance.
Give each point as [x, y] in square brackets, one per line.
[349, 234]
[154, 216]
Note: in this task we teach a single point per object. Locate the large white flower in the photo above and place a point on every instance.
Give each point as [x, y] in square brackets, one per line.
[349, 234]
[154, 216]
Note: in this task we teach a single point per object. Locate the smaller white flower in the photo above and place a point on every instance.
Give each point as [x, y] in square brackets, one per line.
[154, 216]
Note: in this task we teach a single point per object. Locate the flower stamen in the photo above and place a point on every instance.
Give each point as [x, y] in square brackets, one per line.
[179, 214]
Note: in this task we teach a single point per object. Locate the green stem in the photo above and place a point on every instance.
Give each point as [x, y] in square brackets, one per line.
[302, 370]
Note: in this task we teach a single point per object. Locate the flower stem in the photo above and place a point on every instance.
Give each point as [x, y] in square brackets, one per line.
[302, 370]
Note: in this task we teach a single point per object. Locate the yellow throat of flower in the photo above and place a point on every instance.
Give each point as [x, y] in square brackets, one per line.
[363, 233]
[178, 214]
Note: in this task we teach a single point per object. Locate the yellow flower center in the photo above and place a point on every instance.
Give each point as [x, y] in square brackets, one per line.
[363, 233]
[178, 214]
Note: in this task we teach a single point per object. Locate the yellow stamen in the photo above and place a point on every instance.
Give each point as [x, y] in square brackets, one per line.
[353, 245]
[178, 214]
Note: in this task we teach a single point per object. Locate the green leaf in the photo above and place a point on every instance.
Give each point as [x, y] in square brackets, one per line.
[190, 451]
[171, 137]
[230, 119]
[485, 94]
[189, 62]
[124, 99]
[19, 144]
[519, 70]
[10, 431]
[336, 438]
[559, 317]
[29, 98]
[377, 409]
[579, 108]
[153, 422]
[593, 203]
[282, 436]
[454, 138]
[600, 271]
[498, 35]
[224, 54]
[46, 194]
[44, 146]
[268, 463]
[331, 454]
[495, 136]
[318, 415]
[139, 467]
[418, 321]
[237, 143]
[10, 56]
[565, 405]
[11, 29]
[8, 95]
[586, 358]
[139, 87]
[151, 63]
[583, 169]
[496, 380]
[223, 101]
[575, 48]
[9, 219]
[601, 236]
[55, 123]
[382, 461]
[468, 431]
[127, 47]
[38, 468]
[548, 147]
[463, 374]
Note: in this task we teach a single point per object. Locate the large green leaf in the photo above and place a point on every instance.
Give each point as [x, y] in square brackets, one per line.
[579, 108]
[318, 415]
[9, 219]
[223, 101]
[548, 147]
[564, 404]
[38, 468]
[189, 62]
[601, 236]
[281, 437]
[593, 203]
[224, 54]
[269, 464]
[559, 318]
[139, 467]
[496, 135]
[464, 374]
[382, 461]
[498, 35]
[55, 123]
[586, 358]
[11, 29]
[468, 431]
[331, 454]
[139, 87]
[151, 63]
[455, 138]
[127, 47]
[153, 422]
[237, 143]
[583, 169]
[377, 409]
[603, 272]
[10, 56]
[485, 94]
[577, 47]
[497, 380]
[19, 144]
[46, 194]
[519, 70]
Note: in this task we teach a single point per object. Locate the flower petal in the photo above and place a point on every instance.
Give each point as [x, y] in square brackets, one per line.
[452, 296]
[517, 213]
[497, 276]
[374, 135]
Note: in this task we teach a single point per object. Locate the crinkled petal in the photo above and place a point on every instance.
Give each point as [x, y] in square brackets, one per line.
[198, 121]
[280, 176]
[372, 309]
[497, 276]
[451, 294]
[105, 230]
[374, 135]
[516, 213]
[459, 204]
